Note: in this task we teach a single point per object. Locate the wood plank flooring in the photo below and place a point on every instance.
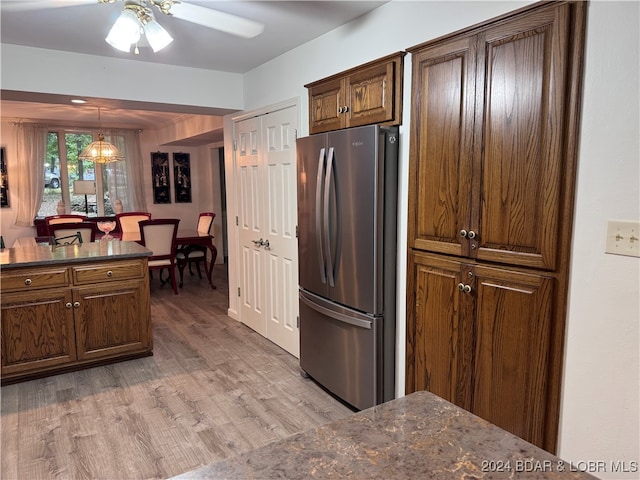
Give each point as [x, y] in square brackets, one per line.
[213, 389]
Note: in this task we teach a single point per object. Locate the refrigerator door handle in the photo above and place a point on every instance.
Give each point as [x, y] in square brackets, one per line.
[323, 275]
[341, 317]
[327, 233]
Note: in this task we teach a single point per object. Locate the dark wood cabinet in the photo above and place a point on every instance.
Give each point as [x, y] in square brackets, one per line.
[37, 331]
[368, 94]
[491, 185]
[63, 317]
[483, 340]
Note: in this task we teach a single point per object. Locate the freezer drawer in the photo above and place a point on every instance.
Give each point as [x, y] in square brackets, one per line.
[340, 348]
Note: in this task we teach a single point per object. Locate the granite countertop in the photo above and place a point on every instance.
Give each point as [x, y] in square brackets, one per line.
[43, 255]
[417, 436]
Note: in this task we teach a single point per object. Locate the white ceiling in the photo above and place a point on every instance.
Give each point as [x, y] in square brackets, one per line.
[82, 29]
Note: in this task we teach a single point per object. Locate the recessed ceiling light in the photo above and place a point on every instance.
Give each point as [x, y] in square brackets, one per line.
[78, 100]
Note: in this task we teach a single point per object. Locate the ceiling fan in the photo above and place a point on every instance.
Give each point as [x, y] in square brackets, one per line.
[183, 10]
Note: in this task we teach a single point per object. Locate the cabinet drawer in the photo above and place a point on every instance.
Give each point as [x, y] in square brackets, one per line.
[108, 272]
[25, 280]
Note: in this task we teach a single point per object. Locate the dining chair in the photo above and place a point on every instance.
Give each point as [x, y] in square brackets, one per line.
[69, 239]
[189, 254]
[127, 222]
[159, 236]
[65, 218]
[87, 230]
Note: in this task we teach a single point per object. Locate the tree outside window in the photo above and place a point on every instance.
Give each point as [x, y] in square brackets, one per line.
[62, 168]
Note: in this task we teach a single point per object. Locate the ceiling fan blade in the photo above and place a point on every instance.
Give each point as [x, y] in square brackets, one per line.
[23, 5]
[217, 20]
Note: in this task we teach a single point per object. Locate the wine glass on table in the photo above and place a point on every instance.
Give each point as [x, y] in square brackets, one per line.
[106, 228]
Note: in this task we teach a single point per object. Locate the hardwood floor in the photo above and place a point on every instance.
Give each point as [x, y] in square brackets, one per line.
[212, 389]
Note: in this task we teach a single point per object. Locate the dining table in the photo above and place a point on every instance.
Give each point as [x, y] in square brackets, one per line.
[185, 236]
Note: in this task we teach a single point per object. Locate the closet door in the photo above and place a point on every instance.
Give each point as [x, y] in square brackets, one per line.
[520, 125]
[441, 146]
[281, 254]
[251, 224]
[267, 192]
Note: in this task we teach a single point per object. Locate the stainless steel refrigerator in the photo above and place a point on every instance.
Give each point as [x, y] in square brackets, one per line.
[347, 215]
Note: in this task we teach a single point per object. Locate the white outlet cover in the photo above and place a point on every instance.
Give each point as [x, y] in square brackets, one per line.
[623, 237]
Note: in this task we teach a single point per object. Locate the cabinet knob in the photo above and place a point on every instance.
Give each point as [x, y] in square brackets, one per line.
[27, 282]
[109, 273]
[76, 304]
[345, 109]
[340, 110]
[464, 288]
[471, 234]
[463, 233]
[68, 305]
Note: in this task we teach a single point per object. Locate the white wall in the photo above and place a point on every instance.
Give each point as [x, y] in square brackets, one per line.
[50, 71]
[599, 418]
[600, 402]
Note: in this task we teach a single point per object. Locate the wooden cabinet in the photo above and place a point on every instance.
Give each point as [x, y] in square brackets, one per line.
[369, 94]
[483, 340]
[491, 185]
[63, 317]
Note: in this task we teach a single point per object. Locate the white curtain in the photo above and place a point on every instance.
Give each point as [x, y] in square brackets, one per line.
[126, 178]
[32, 152]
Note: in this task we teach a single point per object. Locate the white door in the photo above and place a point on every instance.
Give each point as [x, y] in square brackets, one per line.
[250, 224]
[279, 140]
[266, 162]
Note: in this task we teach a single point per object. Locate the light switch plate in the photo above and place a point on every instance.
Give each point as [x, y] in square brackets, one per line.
[623, 238]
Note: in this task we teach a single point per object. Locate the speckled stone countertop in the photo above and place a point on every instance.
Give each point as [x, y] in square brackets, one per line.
[43, 255]
[414, 437]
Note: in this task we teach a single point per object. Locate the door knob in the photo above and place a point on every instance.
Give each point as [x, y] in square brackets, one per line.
[265, 244]
[258, 243]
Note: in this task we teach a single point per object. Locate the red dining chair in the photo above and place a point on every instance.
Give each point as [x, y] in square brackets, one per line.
[127, 223]
[159, 236]
[189, 254]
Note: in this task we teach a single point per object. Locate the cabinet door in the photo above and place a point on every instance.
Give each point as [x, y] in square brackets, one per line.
[369, 95]
[37, 331]
[441, 146]
[112, 319]
[512, 350]
[435, 328]
[522, 68]
[325, 106]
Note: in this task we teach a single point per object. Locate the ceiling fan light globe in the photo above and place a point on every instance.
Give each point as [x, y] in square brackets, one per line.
[157, 36]
[125, 32]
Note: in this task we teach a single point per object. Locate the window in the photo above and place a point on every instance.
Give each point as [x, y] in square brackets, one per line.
[62, 169]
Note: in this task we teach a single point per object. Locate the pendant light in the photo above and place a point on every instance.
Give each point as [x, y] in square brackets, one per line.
[101, 151]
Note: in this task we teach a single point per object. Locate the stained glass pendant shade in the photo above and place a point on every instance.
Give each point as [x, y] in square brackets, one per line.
[101, 151]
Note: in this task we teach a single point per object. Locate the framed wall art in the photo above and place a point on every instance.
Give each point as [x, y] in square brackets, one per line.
[4, 183]
[160, 176]
[182, 177]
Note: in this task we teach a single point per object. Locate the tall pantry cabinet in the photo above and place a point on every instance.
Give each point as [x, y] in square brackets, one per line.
[494, 124]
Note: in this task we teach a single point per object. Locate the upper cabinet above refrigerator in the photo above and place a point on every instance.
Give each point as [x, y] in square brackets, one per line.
[365, 95]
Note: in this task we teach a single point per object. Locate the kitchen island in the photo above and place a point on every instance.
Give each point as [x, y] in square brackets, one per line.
[71, 307]
[414, 437]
